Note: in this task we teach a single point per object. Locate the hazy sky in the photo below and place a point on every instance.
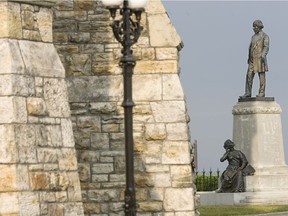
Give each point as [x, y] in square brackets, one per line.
[216, 36]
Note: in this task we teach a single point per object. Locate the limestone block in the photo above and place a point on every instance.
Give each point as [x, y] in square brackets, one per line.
[27, 17]
[77, 15]
[31, 35]
[103, 195]
[40, 181]
[153, 148]
[103, 107]
[38, 81]
[92, 89]
[172, 88]
[162, 31]
[102, 168]
[177, 199]
[27, 154]
[44, 21]
[103, 56]
[67, 159]
[117, 177]
[177, 131]
[148, 53]
[110, 128]
[61, 196]
[155, 6]
[8, 150]
[143, 42]
[157, 168]
[152, 159]
[180, 172]
[10, 57]
[67, 49]
[175, 153]
[156, 67]
[147, 87]
[162, 180]
[92, 48]
[100, 141]
[73, 208]
[47, 197]
[36, 106]
[81, 37]
[29, 203]
[166, 53]
[150, 206]
[61, 181]
[19, 85]
[67, 133]
[8, 178]
[155, 132]
[106, 67]
[141, 108]
[141, 194]
[26, 142]
[156, 194]
[105, 37]
[84, 172]
[13, 110]
[92, 208]
[100, 178]
[55, 209]
[91, 122]
[169, 111]
[11, 20]
[22, 177]
[54, 138]
[5, 205]
[56, 99]
[41, 59]
[47, 155]
[78, 64]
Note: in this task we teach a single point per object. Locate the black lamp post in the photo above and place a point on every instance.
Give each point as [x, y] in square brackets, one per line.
[127, 31]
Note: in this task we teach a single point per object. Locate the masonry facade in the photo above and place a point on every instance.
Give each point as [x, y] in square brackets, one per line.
[93, 93]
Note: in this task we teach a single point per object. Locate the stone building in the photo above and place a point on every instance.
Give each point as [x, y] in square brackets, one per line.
[60, 112]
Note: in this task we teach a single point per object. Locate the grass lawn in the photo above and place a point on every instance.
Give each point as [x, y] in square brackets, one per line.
[240, 210]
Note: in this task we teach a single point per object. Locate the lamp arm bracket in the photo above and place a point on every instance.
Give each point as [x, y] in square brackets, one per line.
[134, 32]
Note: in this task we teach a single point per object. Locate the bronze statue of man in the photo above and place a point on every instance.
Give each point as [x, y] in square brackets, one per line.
[257, 61]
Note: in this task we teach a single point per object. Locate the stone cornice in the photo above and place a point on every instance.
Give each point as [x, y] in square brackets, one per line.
[246, 108]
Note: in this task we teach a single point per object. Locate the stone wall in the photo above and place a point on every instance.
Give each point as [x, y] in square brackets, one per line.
[90, 54]
[37, 155]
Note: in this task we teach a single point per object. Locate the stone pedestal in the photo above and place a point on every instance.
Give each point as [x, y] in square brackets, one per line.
[257, 132]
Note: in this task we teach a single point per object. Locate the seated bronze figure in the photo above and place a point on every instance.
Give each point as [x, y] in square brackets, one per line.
[232, 179]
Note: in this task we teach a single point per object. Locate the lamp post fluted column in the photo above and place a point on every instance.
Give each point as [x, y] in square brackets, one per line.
[128, 63]
[127, 31]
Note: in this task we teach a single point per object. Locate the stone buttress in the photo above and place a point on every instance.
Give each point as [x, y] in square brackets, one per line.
[90, 54]
[37, 156]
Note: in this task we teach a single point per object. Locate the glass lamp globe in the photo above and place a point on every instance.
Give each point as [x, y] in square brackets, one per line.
[137, 4]
[112, 3]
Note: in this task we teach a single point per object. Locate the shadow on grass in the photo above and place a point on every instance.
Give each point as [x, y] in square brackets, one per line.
[240, 210]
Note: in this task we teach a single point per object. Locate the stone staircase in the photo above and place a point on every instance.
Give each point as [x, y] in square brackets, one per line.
[265, 198]
[246, 198]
